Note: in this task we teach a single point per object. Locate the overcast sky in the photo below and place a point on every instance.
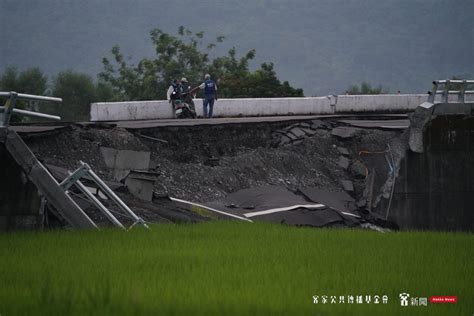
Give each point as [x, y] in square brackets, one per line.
[320, 46]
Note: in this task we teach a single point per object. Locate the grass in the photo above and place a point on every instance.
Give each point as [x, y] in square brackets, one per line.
[231, 268]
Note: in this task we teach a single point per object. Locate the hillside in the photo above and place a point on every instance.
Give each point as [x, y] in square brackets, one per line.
[321, 46]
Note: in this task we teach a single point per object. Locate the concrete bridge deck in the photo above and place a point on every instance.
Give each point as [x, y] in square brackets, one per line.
[397, 121]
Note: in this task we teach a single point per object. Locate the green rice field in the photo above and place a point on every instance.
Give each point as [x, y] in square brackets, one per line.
[224, 268]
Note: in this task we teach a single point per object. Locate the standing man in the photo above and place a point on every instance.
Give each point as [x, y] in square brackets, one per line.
[210, 94]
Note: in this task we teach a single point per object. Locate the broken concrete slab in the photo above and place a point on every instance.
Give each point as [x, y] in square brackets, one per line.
[315, 124]
[308, 131]
[279, 205]
[298, 132]
[122, 161]
[305, 217]
[343, 151]
[347, 185]
[292, 136]
[344, 132]
[141, 184]
[343, 162]
[304, 125]
[258, 199]
[340, 201]
[284, 140]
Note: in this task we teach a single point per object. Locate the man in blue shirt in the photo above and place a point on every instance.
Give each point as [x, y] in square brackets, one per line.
[210, 94]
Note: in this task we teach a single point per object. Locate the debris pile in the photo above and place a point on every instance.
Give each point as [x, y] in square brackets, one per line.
[210, 163]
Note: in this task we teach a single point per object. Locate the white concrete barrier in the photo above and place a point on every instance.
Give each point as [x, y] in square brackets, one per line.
[132, 110]
[270, 106]
[379, 103]
[384, 103]
[143, 110]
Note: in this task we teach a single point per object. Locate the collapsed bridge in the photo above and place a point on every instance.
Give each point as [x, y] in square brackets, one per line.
[373, 166]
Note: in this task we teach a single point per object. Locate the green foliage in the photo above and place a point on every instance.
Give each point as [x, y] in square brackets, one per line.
[366, 88]
[264, 83]
[150, 78]
[184, 56]
[77, 91]
[231, 268]
[29, 81]
[9, 80]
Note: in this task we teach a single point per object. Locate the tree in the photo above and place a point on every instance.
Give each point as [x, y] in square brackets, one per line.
[186, 55]
[33, 81]
[264, 83]
[366, 88]
[78, 91]
[8, 81]
[29, 81]
[149, 79]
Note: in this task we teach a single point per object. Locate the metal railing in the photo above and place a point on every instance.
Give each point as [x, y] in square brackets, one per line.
[85, 170]
[446, 85]
[12, 97]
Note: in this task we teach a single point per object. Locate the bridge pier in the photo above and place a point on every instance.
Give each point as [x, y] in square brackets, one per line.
[435, 184]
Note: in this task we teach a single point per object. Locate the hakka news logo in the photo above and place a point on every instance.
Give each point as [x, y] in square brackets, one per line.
[443, 299]
[406, 300]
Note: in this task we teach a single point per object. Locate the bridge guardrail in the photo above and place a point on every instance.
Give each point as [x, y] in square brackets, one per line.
[8, 109]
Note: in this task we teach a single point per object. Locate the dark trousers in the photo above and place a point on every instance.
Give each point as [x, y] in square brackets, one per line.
[208, 101]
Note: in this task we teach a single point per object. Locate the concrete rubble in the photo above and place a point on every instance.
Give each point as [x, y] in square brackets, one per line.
[320, 161]
[202, 163]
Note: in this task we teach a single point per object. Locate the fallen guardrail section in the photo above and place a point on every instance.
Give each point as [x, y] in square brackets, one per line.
[85, 170]
[48, 190]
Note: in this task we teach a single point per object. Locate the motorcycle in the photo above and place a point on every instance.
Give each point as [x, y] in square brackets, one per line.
[183, 104]
[183, 110]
